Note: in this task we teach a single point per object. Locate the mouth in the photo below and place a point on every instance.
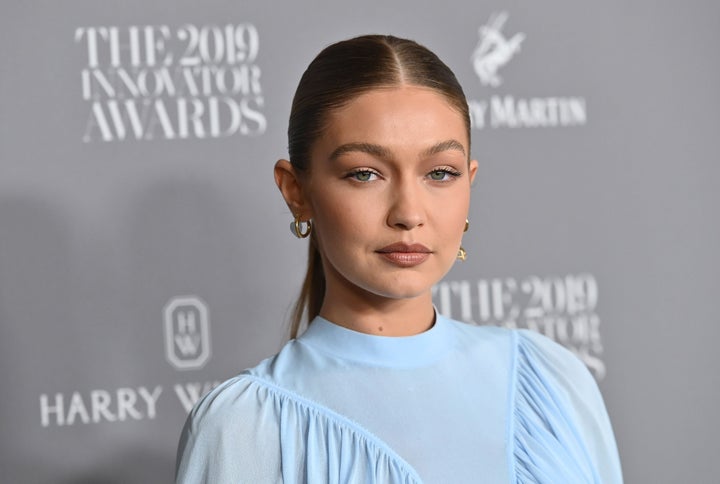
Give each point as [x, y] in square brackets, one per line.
[405, 255]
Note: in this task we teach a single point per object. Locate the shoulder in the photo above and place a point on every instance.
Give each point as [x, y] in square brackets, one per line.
[547, 355]
[225, 402]
[231, 433]
[225, 407]
[524, 347]
[526, 350]
[248, 393]
[549, 352]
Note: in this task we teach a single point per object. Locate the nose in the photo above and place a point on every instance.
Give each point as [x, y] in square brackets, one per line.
[406, 209]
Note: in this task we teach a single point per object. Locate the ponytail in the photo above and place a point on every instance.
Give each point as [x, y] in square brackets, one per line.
[312, 293]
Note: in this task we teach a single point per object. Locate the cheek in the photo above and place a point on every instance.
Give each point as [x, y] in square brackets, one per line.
[452, 216]
[341, 217]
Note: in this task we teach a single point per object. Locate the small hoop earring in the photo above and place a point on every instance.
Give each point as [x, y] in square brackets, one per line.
[462, 253]
[297, 230]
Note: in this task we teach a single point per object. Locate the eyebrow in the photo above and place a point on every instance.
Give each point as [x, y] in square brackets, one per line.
[369, 148]
[446, 145]
[381, 152]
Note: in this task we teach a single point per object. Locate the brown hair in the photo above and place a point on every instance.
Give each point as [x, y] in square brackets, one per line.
[340, 73]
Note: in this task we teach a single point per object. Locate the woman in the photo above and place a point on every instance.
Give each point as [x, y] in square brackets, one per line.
[381, 388]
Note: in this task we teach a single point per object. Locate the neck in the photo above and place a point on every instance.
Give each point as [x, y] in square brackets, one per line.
[377, 315]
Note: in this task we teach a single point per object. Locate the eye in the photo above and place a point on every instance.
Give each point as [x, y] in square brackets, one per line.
[362, 175]
[444, 174]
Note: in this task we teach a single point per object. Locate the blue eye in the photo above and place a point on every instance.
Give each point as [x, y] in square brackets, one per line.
[438, 175]
[363, 175]
[443, 174]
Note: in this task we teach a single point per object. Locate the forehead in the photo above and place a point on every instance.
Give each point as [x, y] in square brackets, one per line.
[400, 118]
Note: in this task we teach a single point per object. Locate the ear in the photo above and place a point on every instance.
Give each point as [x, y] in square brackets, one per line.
[472, 170]
[288, 182]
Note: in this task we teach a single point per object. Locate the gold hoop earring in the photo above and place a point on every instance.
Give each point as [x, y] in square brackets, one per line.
[297, 229]
[462, 253]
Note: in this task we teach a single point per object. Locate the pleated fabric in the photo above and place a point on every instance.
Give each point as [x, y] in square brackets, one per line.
[561, 430]
[457, 404]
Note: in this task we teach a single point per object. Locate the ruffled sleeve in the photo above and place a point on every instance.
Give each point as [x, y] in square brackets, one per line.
[561, 430]
[230, 436]
[249, 430]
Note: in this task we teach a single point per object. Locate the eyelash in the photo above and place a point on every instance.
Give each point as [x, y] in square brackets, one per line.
[446, 170]
[449, 171]
[362, 171]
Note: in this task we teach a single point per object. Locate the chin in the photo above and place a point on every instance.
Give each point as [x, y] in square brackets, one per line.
[403, 295]
[400, 290]
[399, 284]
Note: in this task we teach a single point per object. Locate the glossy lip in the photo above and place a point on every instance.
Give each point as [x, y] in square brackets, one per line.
[405, 255]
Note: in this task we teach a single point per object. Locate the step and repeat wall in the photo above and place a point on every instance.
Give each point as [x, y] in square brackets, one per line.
[145, 254]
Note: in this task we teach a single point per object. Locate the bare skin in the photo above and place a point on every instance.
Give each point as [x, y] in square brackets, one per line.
[388, 193]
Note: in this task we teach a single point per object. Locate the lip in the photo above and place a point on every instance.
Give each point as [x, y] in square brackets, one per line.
[404, 248]
[405, 255]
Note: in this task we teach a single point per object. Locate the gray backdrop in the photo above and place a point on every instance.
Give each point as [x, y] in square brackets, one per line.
[145, 252]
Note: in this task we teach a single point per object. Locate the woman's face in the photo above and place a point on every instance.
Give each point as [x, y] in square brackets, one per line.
[388, 191]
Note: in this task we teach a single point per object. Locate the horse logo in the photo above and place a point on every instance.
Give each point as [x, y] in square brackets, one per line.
[494, 50]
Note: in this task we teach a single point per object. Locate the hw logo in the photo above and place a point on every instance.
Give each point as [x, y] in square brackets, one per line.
[494, 50]
[187, 333]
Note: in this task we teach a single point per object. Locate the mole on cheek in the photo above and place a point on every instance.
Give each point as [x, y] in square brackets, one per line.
[380, 328]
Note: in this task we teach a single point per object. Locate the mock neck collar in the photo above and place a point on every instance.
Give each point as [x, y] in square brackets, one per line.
[372, 350]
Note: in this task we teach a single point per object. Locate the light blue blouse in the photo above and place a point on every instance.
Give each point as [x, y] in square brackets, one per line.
[455, 404]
